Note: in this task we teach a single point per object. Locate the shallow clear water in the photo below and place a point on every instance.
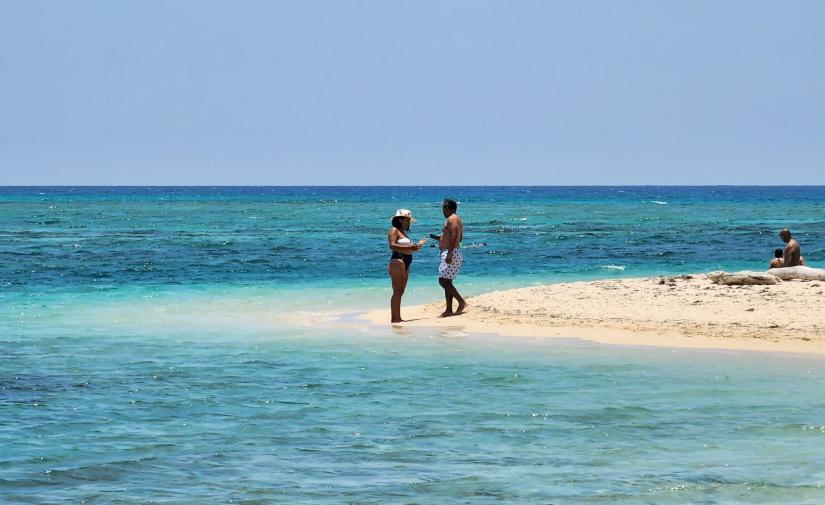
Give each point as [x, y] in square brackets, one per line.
[378, 417]
[182, 345]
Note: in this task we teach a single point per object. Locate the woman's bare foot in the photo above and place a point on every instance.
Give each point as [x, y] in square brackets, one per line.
[446, 313]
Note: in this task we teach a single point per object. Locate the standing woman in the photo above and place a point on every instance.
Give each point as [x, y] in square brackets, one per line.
[402, 249]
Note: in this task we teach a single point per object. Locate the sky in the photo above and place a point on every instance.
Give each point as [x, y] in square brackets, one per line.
[422, 92]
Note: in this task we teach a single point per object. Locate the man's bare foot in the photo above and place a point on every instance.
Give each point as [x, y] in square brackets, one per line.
[461, 307]
[446, 313]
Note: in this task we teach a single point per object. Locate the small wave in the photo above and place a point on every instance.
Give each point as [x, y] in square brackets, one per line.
[613, 267]
[658, 202]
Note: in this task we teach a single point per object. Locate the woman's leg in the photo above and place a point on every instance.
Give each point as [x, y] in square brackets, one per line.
[398, 275]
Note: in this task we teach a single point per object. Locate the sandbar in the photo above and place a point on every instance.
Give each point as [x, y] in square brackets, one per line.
[671, 311]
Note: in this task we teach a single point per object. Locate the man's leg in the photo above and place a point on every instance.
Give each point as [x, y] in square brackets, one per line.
[461, 302]
[447, 284]
[458, 260]
[451, 292]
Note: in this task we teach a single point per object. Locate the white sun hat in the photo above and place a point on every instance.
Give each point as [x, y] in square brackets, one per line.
[404, 213]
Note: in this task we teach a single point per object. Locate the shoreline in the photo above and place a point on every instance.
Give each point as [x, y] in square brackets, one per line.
[685, 311]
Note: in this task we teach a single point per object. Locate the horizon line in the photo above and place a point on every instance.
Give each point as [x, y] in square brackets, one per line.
[410, 185]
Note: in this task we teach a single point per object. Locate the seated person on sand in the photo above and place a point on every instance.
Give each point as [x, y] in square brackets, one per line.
[792, 254]
[776, 262]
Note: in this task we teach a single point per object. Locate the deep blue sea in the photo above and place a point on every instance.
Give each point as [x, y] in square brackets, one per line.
[201, 345]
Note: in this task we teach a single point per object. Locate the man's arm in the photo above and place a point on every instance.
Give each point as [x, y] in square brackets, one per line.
[452, 227]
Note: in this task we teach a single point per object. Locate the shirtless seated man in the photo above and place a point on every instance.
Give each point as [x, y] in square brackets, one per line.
[792, 254]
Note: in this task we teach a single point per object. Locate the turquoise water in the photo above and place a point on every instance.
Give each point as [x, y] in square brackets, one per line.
[349, 417]
[186, 345]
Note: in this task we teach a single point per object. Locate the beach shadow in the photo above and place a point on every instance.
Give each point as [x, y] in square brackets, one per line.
[454, 314]
[399, 329]
[401, 324]
[453, 332]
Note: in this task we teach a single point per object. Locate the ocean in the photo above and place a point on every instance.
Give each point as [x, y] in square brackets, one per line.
[201, 345]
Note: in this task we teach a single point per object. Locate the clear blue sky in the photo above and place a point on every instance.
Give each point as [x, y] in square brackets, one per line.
[412, 93]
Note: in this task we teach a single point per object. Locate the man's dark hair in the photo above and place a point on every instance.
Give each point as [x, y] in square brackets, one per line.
[451, 204]
[777, 253]
[396, 223]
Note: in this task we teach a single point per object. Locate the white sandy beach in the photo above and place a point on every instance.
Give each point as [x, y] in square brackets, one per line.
[673, 311]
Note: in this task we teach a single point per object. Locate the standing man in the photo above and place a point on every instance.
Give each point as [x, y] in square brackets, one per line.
[451, 256]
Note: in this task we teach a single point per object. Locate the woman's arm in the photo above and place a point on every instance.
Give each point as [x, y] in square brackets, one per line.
[392, 238]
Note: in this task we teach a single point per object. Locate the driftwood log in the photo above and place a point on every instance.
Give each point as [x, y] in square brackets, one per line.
[803, 273]
[744, 278]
